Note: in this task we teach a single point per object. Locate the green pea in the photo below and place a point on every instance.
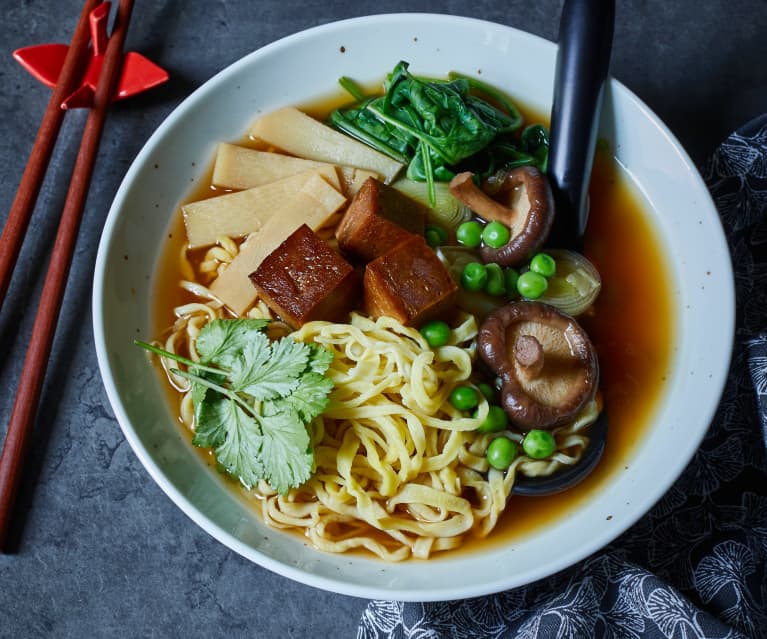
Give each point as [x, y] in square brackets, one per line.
[435, 236]
[510, 276]
[495, 284]
[496, 420]
[469, 234]
[539, 444]
[436, 333]
[532, 285]
[474, 276]
[496, 234]
[501, 452]
[543, 264]
[432, 238]
[464, 398]
[487, 390]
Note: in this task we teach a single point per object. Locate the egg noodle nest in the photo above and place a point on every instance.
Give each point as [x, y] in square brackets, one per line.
[399, 471]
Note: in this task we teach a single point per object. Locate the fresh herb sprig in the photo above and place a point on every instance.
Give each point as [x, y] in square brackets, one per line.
[253, 399]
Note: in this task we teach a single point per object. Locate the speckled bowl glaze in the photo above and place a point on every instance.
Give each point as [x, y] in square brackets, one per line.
[366, 48]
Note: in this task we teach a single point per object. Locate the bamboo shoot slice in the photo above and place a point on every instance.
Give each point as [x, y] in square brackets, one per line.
[296, 133]
[239, 214]
[313, 205]
[239, 167]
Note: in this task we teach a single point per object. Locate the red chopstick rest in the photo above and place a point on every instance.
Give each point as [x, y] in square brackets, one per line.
[44, 62]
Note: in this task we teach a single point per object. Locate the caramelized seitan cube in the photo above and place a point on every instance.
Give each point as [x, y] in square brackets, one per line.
[410, 284]
[304, 279]
[377, 219]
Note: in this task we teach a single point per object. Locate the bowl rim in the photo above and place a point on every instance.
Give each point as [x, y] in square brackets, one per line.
[340, 585]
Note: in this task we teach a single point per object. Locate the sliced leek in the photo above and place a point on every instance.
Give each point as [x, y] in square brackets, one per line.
[446, 212]
[576, 284]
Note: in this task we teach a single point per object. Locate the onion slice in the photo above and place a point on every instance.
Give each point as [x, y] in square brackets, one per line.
[446, 211]
[575, 285]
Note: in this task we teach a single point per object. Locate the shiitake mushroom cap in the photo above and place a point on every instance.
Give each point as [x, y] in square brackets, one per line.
[546, 362]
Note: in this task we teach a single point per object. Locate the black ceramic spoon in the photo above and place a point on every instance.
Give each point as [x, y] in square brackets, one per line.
[583, 59]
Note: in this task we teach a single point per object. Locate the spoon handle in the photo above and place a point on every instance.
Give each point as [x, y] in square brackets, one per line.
[583, 59]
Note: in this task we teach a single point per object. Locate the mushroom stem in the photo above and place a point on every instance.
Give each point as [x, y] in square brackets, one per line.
[521, 200]
[463, 188]
[529, 355]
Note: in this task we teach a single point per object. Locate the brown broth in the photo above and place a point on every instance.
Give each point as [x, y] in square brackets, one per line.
[632, 327]
[167, 293]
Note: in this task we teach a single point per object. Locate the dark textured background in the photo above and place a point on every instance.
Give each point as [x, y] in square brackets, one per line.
[103, 552]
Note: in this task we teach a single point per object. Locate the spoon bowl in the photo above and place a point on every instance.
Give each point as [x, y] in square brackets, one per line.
[571, 475]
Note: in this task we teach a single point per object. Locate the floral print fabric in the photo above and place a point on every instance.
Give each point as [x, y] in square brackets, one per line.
[696, 564]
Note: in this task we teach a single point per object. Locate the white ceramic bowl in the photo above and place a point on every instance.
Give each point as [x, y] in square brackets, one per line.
[306, 66]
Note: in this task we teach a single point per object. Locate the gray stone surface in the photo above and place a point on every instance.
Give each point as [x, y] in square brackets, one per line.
[103, 552]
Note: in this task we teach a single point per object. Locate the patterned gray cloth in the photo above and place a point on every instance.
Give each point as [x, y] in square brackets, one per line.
[696, 564]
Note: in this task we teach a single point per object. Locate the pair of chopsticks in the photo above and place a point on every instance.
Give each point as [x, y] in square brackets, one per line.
[33, 373]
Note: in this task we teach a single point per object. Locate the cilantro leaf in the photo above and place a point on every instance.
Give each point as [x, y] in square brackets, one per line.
[222, 340]
[253, 399]
[266, 370]
[198, 397]
[240, 450]
[199, 390]
[212, 414]
[310, 397]
[285, 451]
[320, 358]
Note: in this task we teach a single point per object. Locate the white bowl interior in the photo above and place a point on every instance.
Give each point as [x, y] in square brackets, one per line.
[304, 67]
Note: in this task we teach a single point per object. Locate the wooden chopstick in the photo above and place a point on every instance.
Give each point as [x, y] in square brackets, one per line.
[29, 188]
[35, 363]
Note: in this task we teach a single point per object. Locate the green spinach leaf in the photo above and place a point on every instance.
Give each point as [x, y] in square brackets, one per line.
[441, 127]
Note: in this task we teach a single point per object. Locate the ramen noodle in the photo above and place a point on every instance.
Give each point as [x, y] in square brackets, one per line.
[399, 471]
